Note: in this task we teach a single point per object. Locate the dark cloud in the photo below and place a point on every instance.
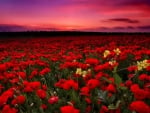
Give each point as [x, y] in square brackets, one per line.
[133, 2]
[144, 27]
[125, 20]
[111, 29]
[118, 3]
[119, 27]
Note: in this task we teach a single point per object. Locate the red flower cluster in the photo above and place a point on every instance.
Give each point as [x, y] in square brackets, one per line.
[19, 100]
[139, 94]
[67, 84]
[140, 107]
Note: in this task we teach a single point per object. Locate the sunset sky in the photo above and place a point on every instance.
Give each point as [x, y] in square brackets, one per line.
[80, 15]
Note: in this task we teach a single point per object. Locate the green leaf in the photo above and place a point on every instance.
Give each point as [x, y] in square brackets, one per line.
[102, 95]
[118, 79]
[118, 103]
[126, 111]
[112, 98]
[123, 88]
[104, 78]
[112, 107]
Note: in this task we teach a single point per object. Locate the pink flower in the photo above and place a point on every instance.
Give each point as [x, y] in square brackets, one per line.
[53, 99]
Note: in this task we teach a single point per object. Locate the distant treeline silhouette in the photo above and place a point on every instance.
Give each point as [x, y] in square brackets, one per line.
[64, 33]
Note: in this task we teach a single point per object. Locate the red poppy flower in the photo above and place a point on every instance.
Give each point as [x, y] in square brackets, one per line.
[69, 109]
[35, 85]
[45, 71]
[111, 88]
[104, 109]
[41, 93]
[3, 67]
[93, 83]
[22, 75]
[88, 109]
[85, 91]
[88, 100]
[43, 106]
[92, 61]
[132, 68]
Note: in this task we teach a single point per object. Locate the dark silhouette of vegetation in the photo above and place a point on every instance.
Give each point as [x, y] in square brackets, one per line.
[64, 33]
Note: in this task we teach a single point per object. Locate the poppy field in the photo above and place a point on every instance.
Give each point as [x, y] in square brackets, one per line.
[82, 74]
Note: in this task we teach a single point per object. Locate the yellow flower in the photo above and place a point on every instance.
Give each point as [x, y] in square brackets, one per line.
[117, 51]
[84, 73]
[142, 64]
[112, 62]
[106, 53]
[79, 71]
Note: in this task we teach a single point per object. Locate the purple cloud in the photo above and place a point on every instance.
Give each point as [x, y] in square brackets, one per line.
[18, 28]
[5, 28]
